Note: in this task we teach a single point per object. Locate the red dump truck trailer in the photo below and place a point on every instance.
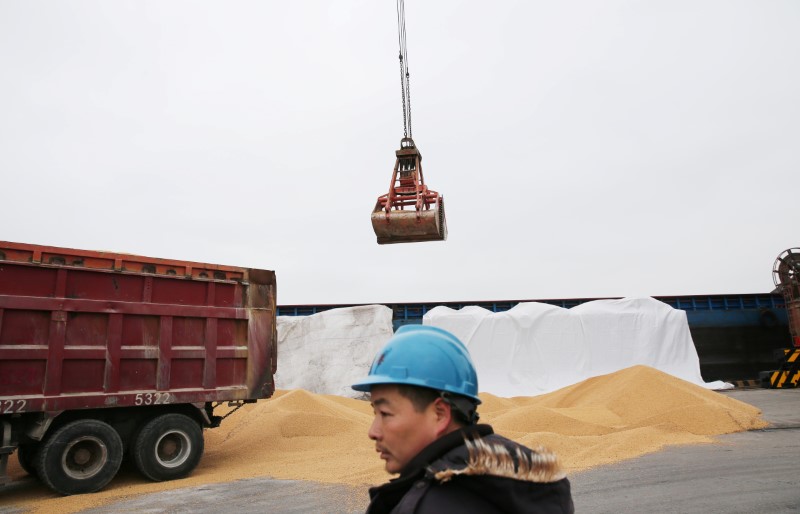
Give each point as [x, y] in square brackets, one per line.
[105, 356]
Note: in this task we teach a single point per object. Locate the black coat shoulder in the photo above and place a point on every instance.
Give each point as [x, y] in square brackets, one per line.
[477, 471]
[494, 474]
[490, 495]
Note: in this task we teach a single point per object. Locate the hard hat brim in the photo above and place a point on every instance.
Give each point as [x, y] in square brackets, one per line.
[366, 384]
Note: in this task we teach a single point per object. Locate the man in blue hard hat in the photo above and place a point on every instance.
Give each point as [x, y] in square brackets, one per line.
[424, 393]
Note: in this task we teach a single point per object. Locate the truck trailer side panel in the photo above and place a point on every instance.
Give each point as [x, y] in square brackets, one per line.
[85, 330]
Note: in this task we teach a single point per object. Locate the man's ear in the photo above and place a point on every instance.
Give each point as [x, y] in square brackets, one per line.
[443, 412]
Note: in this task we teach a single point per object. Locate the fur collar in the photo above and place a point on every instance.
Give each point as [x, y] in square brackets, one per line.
[495, 459]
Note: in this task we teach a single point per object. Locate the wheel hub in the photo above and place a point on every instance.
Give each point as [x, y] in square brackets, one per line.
[173, 448]
[84, 457]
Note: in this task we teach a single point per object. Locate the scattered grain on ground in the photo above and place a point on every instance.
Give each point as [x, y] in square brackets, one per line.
[304, 436]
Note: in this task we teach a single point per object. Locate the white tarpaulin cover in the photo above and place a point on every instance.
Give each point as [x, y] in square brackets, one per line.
[535, 348]
[327, 352]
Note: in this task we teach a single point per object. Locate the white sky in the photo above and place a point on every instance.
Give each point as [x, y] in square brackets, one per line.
[584, 148]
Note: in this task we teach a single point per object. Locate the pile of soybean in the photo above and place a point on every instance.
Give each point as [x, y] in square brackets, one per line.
[303, 436]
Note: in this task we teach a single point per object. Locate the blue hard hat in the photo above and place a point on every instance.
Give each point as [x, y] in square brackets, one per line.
[424, 356]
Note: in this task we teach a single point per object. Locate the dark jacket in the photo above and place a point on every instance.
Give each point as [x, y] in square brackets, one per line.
[474, 470]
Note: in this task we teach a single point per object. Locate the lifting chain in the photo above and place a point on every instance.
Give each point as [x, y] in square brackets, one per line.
[403, 93]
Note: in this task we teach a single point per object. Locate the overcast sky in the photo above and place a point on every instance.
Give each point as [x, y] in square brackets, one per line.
[584, 148]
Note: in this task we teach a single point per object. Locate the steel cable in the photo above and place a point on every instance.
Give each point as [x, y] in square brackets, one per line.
[405, 88]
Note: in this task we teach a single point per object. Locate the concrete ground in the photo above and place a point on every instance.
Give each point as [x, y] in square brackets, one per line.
[756, 471]
[746, 472]
[253, 496]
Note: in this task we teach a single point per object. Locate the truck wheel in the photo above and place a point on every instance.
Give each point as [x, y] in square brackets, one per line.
[26, 454]
[168, 447]
[80, 457]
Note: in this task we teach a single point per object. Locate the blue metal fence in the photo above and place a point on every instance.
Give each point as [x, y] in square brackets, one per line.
[701, 310]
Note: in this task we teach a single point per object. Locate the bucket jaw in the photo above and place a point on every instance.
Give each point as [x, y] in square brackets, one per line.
[409, 212]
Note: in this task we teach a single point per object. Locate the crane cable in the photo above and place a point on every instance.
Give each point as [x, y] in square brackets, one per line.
[405, 88]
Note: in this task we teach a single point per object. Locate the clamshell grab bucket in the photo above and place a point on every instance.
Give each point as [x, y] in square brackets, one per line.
[409, 212]
[410, 226]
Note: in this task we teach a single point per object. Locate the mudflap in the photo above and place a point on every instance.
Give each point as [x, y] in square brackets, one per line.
[6, 449]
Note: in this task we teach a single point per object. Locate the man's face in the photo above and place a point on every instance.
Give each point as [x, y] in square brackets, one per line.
[399, 431]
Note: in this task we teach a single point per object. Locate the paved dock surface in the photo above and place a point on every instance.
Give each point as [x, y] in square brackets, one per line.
[252, 496]
[756, 471]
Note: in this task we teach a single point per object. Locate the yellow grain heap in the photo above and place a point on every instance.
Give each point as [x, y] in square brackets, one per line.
[304, 436]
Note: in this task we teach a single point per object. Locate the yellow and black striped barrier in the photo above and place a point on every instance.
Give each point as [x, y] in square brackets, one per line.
[745, 384]
[789, 374]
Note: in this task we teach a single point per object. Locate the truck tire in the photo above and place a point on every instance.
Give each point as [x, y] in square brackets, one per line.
[80, 457]
[26, 455]
[168, 447]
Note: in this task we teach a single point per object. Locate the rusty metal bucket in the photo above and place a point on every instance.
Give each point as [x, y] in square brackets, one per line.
[409, 212]
[410, 226]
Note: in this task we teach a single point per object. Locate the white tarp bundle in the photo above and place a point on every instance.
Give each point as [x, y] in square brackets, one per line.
[537, 348]
[327, 352]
